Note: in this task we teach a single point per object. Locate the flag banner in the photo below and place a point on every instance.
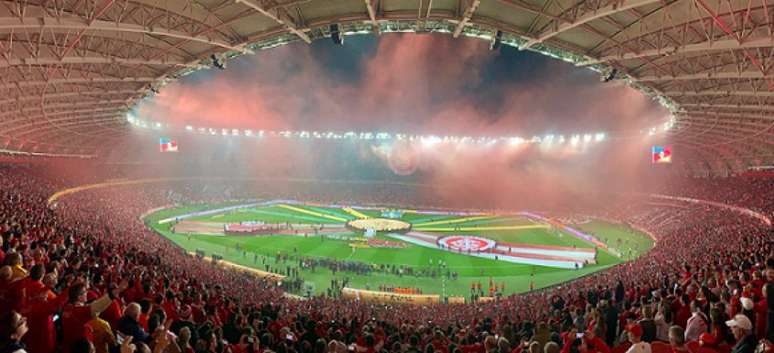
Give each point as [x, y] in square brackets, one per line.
[167, 145]
[661, 154]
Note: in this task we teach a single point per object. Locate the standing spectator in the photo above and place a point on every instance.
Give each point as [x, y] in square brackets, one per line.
[40, 305]
[741, 327]
[634, 332]
[677, 340]
[697, 323]
[611, 322]
[102, 335]
[708, 343]
[16, 262]
[649, 328]
[129, 324]
[77, 313]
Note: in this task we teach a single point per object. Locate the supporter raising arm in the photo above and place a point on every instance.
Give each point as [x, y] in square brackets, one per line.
[77, 312]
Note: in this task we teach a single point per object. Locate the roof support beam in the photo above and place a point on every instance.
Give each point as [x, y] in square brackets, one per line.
[11, 24]
[20, 130]
[705, 76]
[728, 44]
[719, 93]
[614, 8]
[79, 81]
[69, 94]
[287, 24]
[729, 126]
[96, 60]
[41, 126]
[761, 115]
[40, 117]
[114, 104]
[730, 106]
[105, 134]
[472, 6]
[372, 15]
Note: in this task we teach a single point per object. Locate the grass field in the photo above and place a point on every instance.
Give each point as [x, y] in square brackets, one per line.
[255, 250]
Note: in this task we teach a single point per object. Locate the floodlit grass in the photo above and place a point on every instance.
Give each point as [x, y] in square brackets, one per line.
[260, 252]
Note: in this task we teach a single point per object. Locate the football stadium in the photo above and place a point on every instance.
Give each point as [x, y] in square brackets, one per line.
[387, 176]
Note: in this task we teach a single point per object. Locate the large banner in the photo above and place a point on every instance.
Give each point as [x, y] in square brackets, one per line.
[389, 297]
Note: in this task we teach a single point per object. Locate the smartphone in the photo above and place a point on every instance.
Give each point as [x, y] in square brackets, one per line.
[579, 335]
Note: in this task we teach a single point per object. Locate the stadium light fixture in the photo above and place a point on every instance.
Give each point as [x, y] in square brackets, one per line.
[429, 141]
[599, 137]
[574, 140]
[188, 128]
[561, 139]
[586, 138]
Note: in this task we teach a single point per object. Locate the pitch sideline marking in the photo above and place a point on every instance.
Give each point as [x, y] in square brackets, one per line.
[452, 221]
[354, 212]
[340, 219]
[323, 210]
[452, 229]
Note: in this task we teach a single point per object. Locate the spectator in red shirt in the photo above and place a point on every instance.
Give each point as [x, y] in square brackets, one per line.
[77, 313]
[40, 305]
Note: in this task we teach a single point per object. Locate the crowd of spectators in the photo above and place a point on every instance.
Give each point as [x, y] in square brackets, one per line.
[88, 276]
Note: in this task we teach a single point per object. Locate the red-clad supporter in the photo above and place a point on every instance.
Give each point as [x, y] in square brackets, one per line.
[40, 305]
[76, 314]
[707, 344]
[92, 239]
[634, 334]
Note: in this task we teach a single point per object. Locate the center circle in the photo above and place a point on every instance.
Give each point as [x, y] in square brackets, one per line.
[379, 225]
[466, 243]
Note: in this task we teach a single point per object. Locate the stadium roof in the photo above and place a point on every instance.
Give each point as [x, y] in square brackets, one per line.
[70, 69]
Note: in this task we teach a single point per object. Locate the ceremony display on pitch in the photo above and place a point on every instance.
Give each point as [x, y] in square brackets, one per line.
[321, 248]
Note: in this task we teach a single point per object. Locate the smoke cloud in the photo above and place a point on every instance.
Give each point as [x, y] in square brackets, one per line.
[415, 84]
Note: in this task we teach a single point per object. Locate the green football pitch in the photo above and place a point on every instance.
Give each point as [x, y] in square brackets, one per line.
[434, 271]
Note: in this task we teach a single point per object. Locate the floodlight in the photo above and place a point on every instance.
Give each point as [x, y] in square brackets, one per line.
[429, 141]
[515, 141]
